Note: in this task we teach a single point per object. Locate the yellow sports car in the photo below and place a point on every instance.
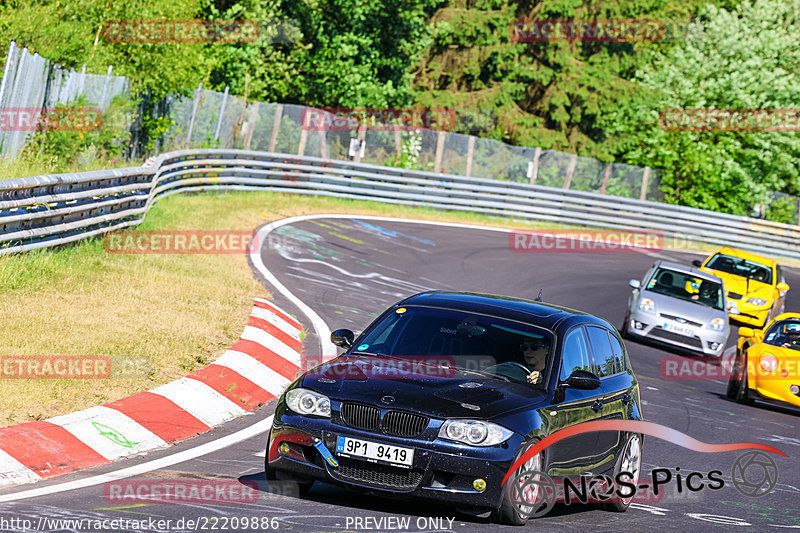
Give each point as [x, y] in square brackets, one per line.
[766, 365]
[754, 283]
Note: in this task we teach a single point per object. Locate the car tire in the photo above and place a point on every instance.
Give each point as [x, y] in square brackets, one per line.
[624, 330]
[744, 390]
[734, 380]
[303, 486]
[508, 513]
[630, 460]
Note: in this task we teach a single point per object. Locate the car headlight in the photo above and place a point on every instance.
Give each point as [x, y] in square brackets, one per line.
[307, 402]
[717, 324]
[757, 301]
[769, 362]
[648, 305]
[474, 432]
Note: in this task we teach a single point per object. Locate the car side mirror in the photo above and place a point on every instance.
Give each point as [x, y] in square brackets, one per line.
[582, 380]
[782, 286]
[343, 338]
[697, 263]
[746, 332]
[635, 283]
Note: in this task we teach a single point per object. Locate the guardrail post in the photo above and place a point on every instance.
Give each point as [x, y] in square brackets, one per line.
[606, 177]
[303, 138]
[362, 134]
[533, 166]
[195, 104]
[276, 125]
[251, 125]
[470, 152]
[437, 167]
[103, 95]
[398, 140]
[570, 169]
[645, 178]
[221, 113]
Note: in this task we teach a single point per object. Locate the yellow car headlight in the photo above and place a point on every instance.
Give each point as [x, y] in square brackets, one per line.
[769, 363]
[757, 301]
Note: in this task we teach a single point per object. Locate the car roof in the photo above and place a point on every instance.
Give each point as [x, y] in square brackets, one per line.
[550, 316]
[689, 270]
[745, 255]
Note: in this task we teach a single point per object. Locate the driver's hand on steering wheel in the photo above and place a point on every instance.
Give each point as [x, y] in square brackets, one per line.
[533, 377]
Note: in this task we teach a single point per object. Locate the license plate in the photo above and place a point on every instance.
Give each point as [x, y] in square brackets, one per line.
[374, 452]
[676, 328]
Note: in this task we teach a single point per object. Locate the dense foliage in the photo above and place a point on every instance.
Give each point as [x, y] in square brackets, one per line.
[597, 99]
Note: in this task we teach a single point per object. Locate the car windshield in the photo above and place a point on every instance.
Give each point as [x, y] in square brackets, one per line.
[741, 267]
[687, 287]
[467, 341]
[785, 333]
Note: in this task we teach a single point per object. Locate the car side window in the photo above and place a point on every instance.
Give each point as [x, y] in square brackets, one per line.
[576, 354]
[601, 350]
[619, 353]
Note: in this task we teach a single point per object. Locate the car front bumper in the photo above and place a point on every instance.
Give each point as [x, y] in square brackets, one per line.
[440, 471]
[699, 342]
[750, 314]
[774, 389]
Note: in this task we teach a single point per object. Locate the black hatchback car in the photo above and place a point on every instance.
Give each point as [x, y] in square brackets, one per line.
[444, 390]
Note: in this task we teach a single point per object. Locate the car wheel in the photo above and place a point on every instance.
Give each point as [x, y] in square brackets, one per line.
[735, 377]
[630, 460]
[527, 489]
[272, 475]
[744, 390]
[624, 330]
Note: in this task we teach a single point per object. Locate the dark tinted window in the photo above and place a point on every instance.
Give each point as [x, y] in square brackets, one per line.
[601, 351]
[619, 353]
[576, 354]
[460, 339]
[741, 267]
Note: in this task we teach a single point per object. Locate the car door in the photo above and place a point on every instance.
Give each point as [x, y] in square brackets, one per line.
[573, 455]
[617, 384]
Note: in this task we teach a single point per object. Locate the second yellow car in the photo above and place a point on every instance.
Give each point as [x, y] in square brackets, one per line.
[766, 365]
[755, 284]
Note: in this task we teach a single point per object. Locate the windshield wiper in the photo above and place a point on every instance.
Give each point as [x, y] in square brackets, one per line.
[486, 374]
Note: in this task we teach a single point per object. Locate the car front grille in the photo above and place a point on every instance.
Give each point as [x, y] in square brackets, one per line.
[734, 296]
[402, 424]
[681, 320]
[397, 423]
[376, 475]
[670, 336]
[361, 416]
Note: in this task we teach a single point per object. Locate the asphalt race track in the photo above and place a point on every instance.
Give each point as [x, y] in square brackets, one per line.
[348, 270]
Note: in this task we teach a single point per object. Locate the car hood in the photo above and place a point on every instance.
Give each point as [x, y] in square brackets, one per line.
[783, 355]
[739, 285]
[682, 308]
[427, 389]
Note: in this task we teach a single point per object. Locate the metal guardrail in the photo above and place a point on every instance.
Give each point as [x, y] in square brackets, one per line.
[52, 210]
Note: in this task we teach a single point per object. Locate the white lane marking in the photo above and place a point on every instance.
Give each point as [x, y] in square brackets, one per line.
[155, 464]
[109, 432]
[320, 327]
[262, 453]
[652, 388]
[14, 472]
[255, 371]
[200, 401]
[275, 320]
[269, 342]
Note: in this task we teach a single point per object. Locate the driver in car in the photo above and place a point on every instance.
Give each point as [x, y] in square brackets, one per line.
[535, 354]
[791, 336]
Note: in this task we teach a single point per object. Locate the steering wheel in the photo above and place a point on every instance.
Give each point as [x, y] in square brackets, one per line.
[510, 369]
